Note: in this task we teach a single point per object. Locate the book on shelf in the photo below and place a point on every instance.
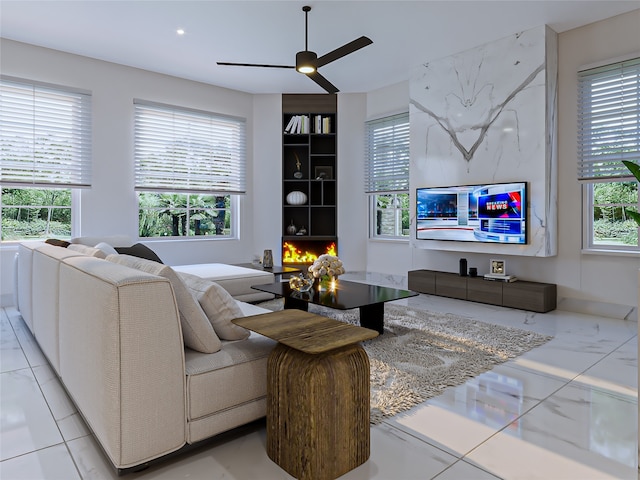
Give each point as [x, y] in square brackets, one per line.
[302, 124]
[321, 124]
[298, 124]
[290, 125]
[326, 125]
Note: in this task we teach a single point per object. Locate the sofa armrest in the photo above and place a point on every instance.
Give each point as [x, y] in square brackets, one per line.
[24, 280]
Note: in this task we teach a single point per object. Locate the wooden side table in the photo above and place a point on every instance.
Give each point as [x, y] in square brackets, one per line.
[317, 393]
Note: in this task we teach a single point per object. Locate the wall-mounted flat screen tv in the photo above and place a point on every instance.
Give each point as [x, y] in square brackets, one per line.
[491, 213]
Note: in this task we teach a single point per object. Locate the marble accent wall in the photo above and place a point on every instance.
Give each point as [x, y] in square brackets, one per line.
[488, 115]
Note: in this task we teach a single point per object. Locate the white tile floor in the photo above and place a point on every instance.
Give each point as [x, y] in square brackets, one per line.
[565, 410]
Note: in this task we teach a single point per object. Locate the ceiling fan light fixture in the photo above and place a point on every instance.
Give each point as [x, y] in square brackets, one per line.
[306, 61]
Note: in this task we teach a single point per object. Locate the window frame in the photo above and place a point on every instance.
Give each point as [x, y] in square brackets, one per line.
[50, 104]
[589, 171]
[588, 243]
[196, 129]
[373, 220]
[393, 184]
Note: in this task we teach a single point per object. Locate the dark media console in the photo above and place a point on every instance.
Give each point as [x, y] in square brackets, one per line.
[532, 296]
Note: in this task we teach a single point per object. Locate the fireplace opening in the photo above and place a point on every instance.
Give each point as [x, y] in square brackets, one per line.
[305, 252]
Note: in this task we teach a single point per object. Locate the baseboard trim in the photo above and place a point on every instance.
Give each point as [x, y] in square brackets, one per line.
[601, 309]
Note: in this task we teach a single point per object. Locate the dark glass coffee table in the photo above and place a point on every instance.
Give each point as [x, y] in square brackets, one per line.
[370, 299]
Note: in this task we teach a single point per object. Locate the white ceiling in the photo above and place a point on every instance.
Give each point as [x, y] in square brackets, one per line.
[405, 33]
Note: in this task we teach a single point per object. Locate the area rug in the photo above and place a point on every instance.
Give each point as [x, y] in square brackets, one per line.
[422, 353]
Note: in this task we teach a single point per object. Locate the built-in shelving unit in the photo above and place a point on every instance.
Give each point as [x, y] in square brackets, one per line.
[309, 165]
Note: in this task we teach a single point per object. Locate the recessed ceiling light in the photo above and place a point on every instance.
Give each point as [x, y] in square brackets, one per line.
[180, 31]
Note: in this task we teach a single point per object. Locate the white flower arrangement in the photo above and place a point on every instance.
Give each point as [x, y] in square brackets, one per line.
[327, 266]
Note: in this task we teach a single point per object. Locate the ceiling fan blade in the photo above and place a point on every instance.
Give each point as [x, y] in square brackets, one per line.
[346, 49]
[323, 82]
[254, 65]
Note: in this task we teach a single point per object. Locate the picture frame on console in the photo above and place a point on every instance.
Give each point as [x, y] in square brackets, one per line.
[497, 267]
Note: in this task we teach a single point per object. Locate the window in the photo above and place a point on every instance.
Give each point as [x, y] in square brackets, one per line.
[45, 142]
[391, 215]
[387, 175]
[189, 171]
[608, 133]
[183, 215]
[609, 226]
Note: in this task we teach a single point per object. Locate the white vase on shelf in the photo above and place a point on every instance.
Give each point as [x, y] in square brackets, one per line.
[296, 198]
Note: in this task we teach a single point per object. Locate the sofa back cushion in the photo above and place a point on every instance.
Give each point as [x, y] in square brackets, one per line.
[219, 306]
[45, 290]
[197, 332]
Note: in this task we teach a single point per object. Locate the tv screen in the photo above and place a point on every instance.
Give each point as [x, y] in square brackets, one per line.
[492, 213]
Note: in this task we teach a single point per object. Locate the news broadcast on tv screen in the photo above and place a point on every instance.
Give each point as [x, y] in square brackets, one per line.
[492, 213]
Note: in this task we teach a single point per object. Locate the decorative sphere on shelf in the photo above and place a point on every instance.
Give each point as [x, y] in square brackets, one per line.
[296, 198]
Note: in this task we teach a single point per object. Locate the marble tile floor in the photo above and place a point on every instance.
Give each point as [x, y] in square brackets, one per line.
[565, 410]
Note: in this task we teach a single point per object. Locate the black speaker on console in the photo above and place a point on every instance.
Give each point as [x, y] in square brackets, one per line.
[463, 267]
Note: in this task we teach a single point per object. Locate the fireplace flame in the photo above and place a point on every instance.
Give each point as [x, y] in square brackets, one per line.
[291, 254]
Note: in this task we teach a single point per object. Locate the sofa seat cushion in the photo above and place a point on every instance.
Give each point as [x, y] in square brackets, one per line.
[219, 306]
[235, 280]
[235, 375]
[197, 332]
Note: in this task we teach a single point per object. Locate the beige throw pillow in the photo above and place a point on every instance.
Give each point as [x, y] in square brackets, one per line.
[85, 250]
[219, 306]
[106, 248]
[197, 332]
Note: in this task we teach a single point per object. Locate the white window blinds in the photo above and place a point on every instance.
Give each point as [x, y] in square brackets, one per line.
[608, 120]
[387, 154]
[45, 135]
[180, 150]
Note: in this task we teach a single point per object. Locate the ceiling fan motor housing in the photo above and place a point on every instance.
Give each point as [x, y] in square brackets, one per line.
[306, 61]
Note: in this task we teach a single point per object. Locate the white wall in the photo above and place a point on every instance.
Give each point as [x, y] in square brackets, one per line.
[580, 276]
[383, 256]
[267, 176]
[352, 202]
[110, 206]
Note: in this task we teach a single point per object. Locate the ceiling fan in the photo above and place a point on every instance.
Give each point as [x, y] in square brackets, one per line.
[308, 62]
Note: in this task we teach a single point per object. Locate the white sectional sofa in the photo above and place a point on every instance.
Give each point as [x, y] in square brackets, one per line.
[115, 330]
[234, 279]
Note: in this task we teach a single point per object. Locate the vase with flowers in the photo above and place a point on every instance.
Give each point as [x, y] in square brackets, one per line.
[326, 269]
